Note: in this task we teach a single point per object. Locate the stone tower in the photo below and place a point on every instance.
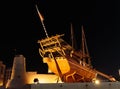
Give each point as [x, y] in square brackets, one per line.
[18, 76]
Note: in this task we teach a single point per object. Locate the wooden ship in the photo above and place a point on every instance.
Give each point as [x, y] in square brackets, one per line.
[69, 64]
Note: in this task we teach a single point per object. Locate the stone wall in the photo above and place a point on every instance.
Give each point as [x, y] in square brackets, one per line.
[103, 85]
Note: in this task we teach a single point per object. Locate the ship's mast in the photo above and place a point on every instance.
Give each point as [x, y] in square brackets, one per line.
[73, 40]
[42, 19]
[85, 48]
[72, 37]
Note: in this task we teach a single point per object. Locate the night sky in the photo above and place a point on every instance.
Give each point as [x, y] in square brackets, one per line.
[100, 18]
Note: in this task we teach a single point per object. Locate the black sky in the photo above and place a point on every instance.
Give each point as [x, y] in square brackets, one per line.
[100, 18]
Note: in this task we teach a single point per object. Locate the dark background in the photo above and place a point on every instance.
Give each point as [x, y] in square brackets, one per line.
[100, 18]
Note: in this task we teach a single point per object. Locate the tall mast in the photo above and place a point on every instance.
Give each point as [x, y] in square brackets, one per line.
[72, 38]
[85, 48]
[42, 19]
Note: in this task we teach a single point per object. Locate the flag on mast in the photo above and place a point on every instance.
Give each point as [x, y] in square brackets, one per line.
[41, 17]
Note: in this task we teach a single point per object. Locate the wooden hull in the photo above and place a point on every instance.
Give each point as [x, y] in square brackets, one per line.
[62, 63]
[71, 70]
